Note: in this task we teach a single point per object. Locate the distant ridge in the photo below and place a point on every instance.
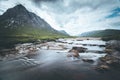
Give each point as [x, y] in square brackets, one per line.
[101, 33]
[108, 34]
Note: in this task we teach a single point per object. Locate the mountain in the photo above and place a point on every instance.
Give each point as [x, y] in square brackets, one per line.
[20, 17]
[101, 33]
[106, 34]
[17, 24]
[63, 32]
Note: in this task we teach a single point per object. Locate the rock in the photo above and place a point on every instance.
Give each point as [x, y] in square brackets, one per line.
[102, 45]
[113, 44]
[112, 59]
[69, 55]
[109, 62]
[62, 46]
[79, 49]
[106, 58]
[84, 44]
[92, 44]
[93, 51]
[103, 67]
[79, 40]
[73, 53]
[109, 51]
[88, 60]
[70, 43]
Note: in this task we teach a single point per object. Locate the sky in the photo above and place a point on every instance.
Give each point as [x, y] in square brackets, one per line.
[73, 16]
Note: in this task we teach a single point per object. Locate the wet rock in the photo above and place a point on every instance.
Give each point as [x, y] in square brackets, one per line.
[73, 53]
[93, 51]
[79, 49]
[70, 43]
[113, 44]
[88, 60]
[62, 46]
[92, 44]
[109, 51]
[4, 52]
[102, 45]
[69, 55]
[84, 44]
[79, 40]
[112, 59]
[88, 39]
[102, 68]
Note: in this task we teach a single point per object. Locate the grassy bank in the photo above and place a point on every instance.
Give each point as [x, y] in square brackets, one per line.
[115, 37]
[9, 37]
[10, 41]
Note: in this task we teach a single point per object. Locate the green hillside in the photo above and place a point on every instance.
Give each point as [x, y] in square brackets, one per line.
[21, 35]
[18, 25]
[107, 34]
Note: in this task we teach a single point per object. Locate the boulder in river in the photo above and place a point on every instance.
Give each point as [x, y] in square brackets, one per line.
[88, 60]
[102, 68]
[112, 59]
[73, 53]
[102, 45]
[79, 49]
[109, 51]
[113, 44]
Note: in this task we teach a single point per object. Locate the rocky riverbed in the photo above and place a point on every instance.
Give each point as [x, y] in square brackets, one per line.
[63, 59]
[112, 59]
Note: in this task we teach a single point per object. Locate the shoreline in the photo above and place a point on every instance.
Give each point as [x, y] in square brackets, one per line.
[21, 50]
[40, 61]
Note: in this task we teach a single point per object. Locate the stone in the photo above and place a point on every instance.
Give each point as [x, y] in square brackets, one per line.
[79, 49]
[103, 67]
[102, 45]
[109, 51]
[88, 60]
[73, 53]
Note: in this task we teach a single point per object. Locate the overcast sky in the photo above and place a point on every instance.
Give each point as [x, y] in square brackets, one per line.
[73, 16]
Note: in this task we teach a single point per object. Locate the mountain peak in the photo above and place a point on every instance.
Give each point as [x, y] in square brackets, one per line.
[17, 10]
[19, 6]
[20, 16]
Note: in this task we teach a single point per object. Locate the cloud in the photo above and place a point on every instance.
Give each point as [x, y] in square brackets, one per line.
[114, 13]
[36, 1]
[73, 16]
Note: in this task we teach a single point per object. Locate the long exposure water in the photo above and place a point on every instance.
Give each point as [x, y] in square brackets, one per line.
[53, 64]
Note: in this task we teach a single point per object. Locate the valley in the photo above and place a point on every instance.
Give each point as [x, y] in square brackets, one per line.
[38, 42]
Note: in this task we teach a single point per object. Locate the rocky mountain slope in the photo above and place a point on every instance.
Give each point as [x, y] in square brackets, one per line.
[17, 24]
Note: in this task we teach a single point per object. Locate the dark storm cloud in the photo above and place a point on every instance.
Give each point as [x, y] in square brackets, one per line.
[37, 1]
[69, 6]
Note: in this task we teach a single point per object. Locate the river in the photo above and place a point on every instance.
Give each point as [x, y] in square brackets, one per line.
[53, 64]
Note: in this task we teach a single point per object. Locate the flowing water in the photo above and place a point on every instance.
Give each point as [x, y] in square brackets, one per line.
[53, 64]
